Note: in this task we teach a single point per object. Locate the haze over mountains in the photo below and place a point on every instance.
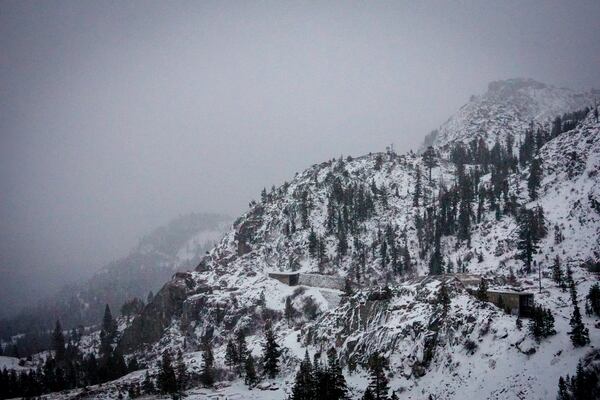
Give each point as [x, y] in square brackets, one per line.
[413, 191]
[395, 254]
[117, 117]
[177, 246]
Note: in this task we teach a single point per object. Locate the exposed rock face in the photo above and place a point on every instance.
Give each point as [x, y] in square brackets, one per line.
[246, 230]
[148, 327]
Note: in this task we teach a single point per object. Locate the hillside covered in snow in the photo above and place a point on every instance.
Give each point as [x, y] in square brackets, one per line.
[392, 253]
[381, 220]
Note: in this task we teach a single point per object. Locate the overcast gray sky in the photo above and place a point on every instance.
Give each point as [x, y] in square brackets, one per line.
[117, 116]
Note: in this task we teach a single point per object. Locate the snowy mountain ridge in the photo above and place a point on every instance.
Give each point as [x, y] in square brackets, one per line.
[376, 194]
[393, 226]
[508, 107]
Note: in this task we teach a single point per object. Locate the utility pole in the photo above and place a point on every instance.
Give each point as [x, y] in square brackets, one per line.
[540, 276]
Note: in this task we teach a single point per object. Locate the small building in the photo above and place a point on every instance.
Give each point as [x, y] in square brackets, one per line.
[289, 278]
[517, 303]
[468, 280]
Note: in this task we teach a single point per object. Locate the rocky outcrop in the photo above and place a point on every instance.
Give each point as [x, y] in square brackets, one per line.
[246, 230]
[148, 327]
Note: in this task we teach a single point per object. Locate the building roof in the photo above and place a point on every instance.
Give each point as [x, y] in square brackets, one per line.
[508, 291]
[282, 273]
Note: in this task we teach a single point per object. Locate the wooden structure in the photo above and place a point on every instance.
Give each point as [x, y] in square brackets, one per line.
[289, 278]
[517, 303]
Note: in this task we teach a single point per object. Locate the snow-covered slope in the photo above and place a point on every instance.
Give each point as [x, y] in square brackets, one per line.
[357, 219]
[225, 294]
[508, 107]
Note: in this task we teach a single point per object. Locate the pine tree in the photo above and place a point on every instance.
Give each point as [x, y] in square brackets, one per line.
[563, 391]
[288, 311]
[342, 246]
[584, 385]
[116, 365]
[406, 261]
[444, 298]
[535, 177]
[383, 254]
[527, 241]
[368, 395]
[133, 365]
[482, 290]
[541, 324]
[148, 384]
[571, 284]
[464, 221]
[242, 349]
[181, 372]
[338, 388]
[107, 334]
[417, 192]
[58, 343]
[436, 263]
[106, 349]
[378, 381]
[313, 244]
[330, 221]
[167, 380]
[250, 378]
[231, 355]
[593, 299]
[263, 195]
[321, 252]
[429, 159]
[548, 323]
[207, 375]
[579, 333]
[271, 353]
[540, 230]
[304, 383]
[109, 325]
[557, 274]
[348, 291]
[109, 363]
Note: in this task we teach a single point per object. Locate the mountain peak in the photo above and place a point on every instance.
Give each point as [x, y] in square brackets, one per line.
[508, 107]
[514, 84]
